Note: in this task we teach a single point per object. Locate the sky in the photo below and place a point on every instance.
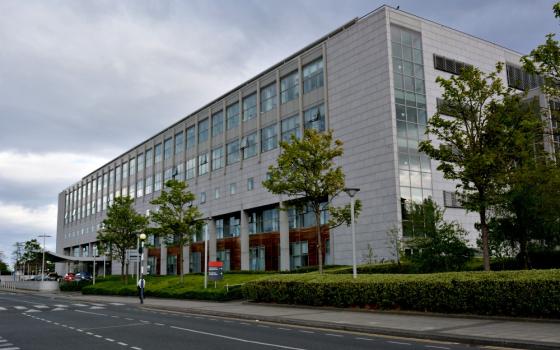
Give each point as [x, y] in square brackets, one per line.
[83, 81]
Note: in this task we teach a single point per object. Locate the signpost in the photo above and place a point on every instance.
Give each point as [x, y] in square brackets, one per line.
[215, 271]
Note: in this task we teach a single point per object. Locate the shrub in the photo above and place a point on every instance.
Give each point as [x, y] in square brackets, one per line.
[73, 286]
[506, 293]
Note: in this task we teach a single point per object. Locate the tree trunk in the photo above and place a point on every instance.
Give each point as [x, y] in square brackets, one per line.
[319, 241]
[484, 231]
[523, 250]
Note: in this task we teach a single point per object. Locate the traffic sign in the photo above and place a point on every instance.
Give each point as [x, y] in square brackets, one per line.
[215, 270]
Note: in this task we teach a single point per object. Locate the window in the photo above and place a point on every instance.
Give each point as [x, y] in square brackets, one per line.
[180, 172]
[232, 152]
[132, 190]
[314, 118]
[232, 116]
[105, 183]
[202, 164]
[203, 131]
[298, 254]
[219, 228]
[140, 188]
[157, 182]
[217, 123]
[256, 258]
[313, 75]
[157, 153]
[270, 220]
[234, 226]
[224, 256]
[217, 193]
[140, 160]
[149, 185]
[290, 126]
[202, 197]
[249, 145]
[111, 180]
[191, 168]
[232, 188]
[149, 158]
[519, 79]
[172, 264]
[250, 184]
[448, 65]
[179, 142]
[217, 158]
[268, 98]
[132, 167]
[451, 200]
[191, 137]
[167, 175]
[269, 138]
[167, 148]
[250, 107]
[289, 87]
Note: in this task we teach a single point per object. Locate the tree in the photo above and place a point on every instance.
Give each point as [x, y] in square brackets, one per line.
[4, 270]
[121, 229]
[177, 219]
[437, 245]
[31, 255]
[306, 172]
[476, 126]
[545, 61]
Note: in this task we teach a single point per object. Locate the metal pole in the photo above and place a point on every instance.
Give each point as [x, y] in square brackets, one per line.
[142, 272]
[206, 257]
[354, 269]
[43, 265]
[104, 264]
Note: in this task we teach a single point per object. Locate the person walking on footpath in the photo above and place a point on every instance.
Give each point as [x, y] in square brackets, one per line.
[140, 286]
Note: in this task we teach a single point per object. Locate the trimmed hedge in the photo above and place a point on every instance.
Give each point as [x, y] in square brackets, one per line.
[508, 293]
[73, 286]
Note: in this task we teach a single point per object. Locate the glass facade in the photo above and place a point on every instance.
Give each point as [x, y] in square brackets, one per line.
[410, 105]
[232, 116]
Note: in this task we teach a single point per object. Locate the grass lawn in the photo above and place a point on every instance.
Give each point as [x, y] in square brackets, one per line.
[171, 287]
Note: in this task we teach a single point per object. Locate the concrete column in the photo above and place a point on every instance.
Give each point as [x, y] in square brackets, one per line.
[284, 238]
[186, 259]
[244, 241]
[211, 240]
[163, 259]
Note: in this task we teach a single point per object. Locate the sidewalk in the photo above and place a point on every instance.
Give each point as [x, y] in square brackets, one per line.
[533, 334]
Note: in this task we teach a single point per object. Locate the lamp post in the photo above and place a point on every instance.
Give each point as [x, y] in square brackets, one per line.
[207, 219]
[141, 252]
[43, 265]
[352, 192]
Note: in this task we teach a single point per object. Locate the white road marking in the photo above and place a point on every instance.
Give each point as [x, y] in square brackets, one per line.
[237, 339]
[2, 308]
[109, 339]
[283, 329]
[135, 348]
[20, 307]
[80, 305]
[41, 306]
[245, 324]
[115, 316]
[56, 323]
[358, 338]
[398, 342]
[5, 344]
[437, 347]
[159, 324]
[31, 310]
[91, 313]
[10, 349]
[129, 319]
[333, 335]
[96, 308]
[59, 309]
[309, 332]
[61, 305]
[262, 326]
[116, 304]
[123, 344]
[89, 333]
[98, 336]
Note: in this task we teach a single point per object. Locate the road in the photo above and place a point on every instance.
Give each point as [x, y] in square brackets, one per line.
[35, 322]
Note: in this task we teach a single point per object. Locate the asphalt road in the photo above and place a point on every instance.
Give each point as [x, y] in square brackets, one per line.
[37, 322]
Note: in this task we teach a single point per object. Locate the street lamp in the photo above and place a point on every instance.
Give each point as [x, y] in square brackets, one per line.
[207, 219]
[352, 192]
[43, 266]
[141, 252]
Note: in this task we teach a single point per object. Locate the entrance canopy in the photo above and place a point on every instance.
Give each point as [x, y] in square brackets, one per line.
[54, 257]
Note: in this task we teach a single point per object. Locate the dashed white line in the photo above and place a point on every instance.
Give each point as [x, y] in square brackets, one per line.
[109, 339]
[398, 342]
[333, 335]
[159, 324]
[358, 338]
[437, 347]
[245, 324]
[263, 326]
[98, 336]
[129, 319]
[135, 348]
[283, 329]
[308, 332]
[121, 343]
[89, 333]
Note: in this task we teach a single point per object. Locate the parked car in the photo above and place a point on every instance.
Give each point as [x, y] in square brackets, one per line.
[83, 276]
[69, 277]
[53, 276]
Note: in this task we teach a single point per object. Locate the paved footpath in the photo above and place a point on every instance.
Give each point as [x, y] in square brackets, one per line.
[506, 332]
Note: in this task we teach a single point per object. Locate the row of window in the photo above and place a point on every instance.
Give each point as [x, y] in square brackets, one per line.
[217, 158]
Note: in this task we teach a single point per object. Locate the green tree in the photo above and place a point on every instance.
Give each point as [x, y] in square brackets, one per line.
[545, 61]
[306, 171]
[176, 219]
[31, 255]
[4, 270]
[121, 229]
[475, 128]
[437, 245]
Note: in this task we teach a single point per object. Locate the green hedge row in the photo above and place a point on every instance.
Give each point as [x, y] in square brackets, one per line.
[73, 286]
[508, 293]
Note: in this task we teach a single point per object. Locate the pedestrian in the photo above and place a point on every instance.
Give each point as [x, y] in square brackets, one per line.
[140, 286]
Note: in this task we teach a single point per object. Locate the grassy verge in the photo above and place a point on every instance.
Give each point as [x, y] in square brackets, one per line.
[171, 287]
[534, 293]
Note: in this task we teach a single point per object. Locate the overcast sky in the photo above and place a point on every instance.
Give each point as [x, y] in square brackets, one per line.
[83, 81]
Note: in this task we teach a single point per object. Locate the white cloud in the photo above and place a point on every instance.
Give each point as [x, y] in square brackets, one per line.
[20, 218]
[46, 168]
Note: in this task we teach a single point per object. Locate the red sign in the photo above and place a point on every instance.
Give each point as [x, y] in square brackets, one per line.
[215, 264]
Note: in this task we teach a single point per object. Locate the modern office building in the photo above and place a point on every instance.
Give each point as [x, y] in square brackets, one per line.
[372, 81]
